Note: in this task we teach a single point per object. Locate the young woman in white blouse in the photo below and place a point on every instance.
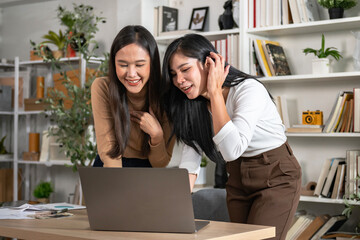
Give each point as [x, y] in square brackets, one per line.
[230, 116]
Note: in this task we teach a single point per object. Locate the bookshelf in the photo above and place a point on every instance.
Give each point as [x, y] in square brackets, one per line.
[313, 92]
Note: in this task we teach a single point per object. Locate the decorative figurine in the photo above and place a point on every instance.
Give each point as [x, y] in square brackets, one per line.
[226, 20]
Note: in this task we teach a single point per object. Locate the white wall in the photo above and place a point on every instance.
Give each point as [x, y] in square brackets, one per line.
[22, 23]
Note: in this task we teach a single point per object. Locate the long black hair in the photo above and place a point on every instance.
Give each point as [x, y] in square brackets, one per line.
[192, 123]
[117, 91]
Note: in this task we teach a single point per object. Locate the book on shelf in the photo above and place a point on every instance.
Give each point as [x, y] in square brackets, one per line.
[314, 226]
[335, 113]
[254, 62]
[267, 54]
[278, 59]
[312, 10]
[333, 224]
[339, 182]
[289, 112]
[326, 191]
[295, 13]
[351, 172]
[322, 176]
[260, 54]
[300, 224]
[298, 128]
[356, 117]
[340, 235]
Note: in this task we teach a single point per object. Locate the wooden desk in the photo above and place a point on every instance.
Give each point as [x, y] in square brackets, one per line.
[77, 227]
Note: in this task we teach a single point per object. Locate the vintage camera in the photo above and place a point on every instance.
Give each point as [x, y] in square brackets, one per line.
[312, 117]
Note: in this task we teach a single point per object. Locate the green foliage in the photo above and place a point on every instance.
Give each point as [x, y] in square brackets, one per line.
[204, 161]
[322, 52]
[58, 40]
[72, 126]
[43, 190]
[81, 25]
[351, 204]
[2, 146]
[345, 4]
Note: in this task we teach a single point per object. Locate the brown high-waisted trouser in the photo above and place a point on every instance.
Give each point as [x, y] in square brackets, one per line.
[265, 189]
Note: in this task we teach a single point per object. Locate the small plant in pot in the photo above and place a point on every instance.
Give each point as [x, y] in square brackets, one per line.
[337, 7]
[321, 64]
[42, 192]
[59, 40]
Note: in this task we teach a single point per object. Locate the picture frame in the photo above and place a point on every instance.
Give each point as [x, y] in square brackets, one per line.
[198, 18]
[168, 19]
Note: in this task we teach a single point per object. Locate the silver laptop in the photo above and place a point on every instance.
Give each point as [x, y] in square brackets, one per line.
[139, 199]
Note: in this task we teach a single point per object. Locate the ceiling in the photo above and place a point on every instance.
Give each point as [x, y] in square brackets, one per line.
[10, 3]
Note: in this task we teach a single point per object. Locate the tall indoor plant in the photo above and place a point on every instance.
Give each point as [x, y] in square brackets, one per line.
[71, 124]
[336, 7]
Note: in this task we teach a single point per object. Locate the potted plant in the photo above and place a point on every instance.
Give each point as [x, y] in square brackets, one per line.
[201, 178]
[352, 203]
[321, 64]
[81, 24]
[59, 40]
[336, 7]
[42, 192]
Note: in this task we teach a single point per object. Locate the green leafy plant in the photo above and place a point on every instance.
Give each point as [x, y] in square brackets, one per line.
[322, 52]
[59, 40]
[81, 25]
[204, 161]
[43, 190]
[352, 203]
[345, 4]
[2, 146]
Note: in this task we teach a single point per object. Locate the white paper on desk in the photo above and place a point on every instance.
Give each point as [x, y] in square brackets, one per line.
[59, 206]
[23, 211]
[11, 213]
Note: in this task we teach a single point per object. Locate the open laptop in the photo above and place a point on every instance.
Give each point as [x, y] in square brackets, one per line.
[139, 199]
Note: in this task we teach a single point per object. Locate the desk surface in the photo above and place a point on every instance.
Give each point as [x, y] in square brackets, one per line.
[77, 227]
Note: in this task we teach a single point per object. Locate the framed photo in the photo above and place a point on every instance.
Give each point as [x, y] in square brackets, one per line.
[198, 18]
[168, 19]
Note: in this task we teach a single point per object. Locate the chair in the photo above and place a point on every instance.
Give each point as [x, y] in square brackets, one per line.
[210, 204]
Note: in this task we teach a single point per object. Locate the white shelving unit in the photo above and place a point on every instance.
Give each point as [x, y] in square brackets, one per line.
[18, 113]
[314, 92]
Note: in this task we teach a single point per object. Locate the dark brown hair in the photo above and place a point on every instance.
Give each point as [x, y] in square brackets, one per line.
[117, 92]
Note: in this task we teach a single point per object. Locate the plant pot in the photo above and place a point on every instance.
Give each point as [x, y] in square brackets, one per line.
[34, 57]
[201, 178]
[320, 66]
[43, 200]
[58, 54]
[336, 13]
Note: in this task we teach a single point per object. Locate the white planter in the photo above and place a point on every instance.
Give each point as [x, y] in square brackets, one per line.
[201, 179]
[320, 66]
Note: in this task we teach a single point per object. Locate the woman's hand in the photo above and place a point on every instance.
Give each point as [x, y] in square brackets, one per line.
[217, 73]
[149, 124]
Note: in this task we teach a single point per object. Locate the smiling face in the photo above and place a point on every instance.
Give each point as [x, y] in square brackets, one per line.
[132, 64]
[188, 74]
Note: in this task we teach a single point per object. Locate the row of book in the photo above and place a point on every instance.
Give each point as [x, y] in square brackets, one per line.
[338, 176]
[309, 227]
[268, 59]
[229, 49]
[345, 114]
[266, 13]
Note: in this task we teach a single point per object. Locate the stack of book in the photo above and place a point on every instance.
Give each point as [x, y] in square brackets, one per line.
[270, 57]
[311, 227]
[345, 114]
[266, 13]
